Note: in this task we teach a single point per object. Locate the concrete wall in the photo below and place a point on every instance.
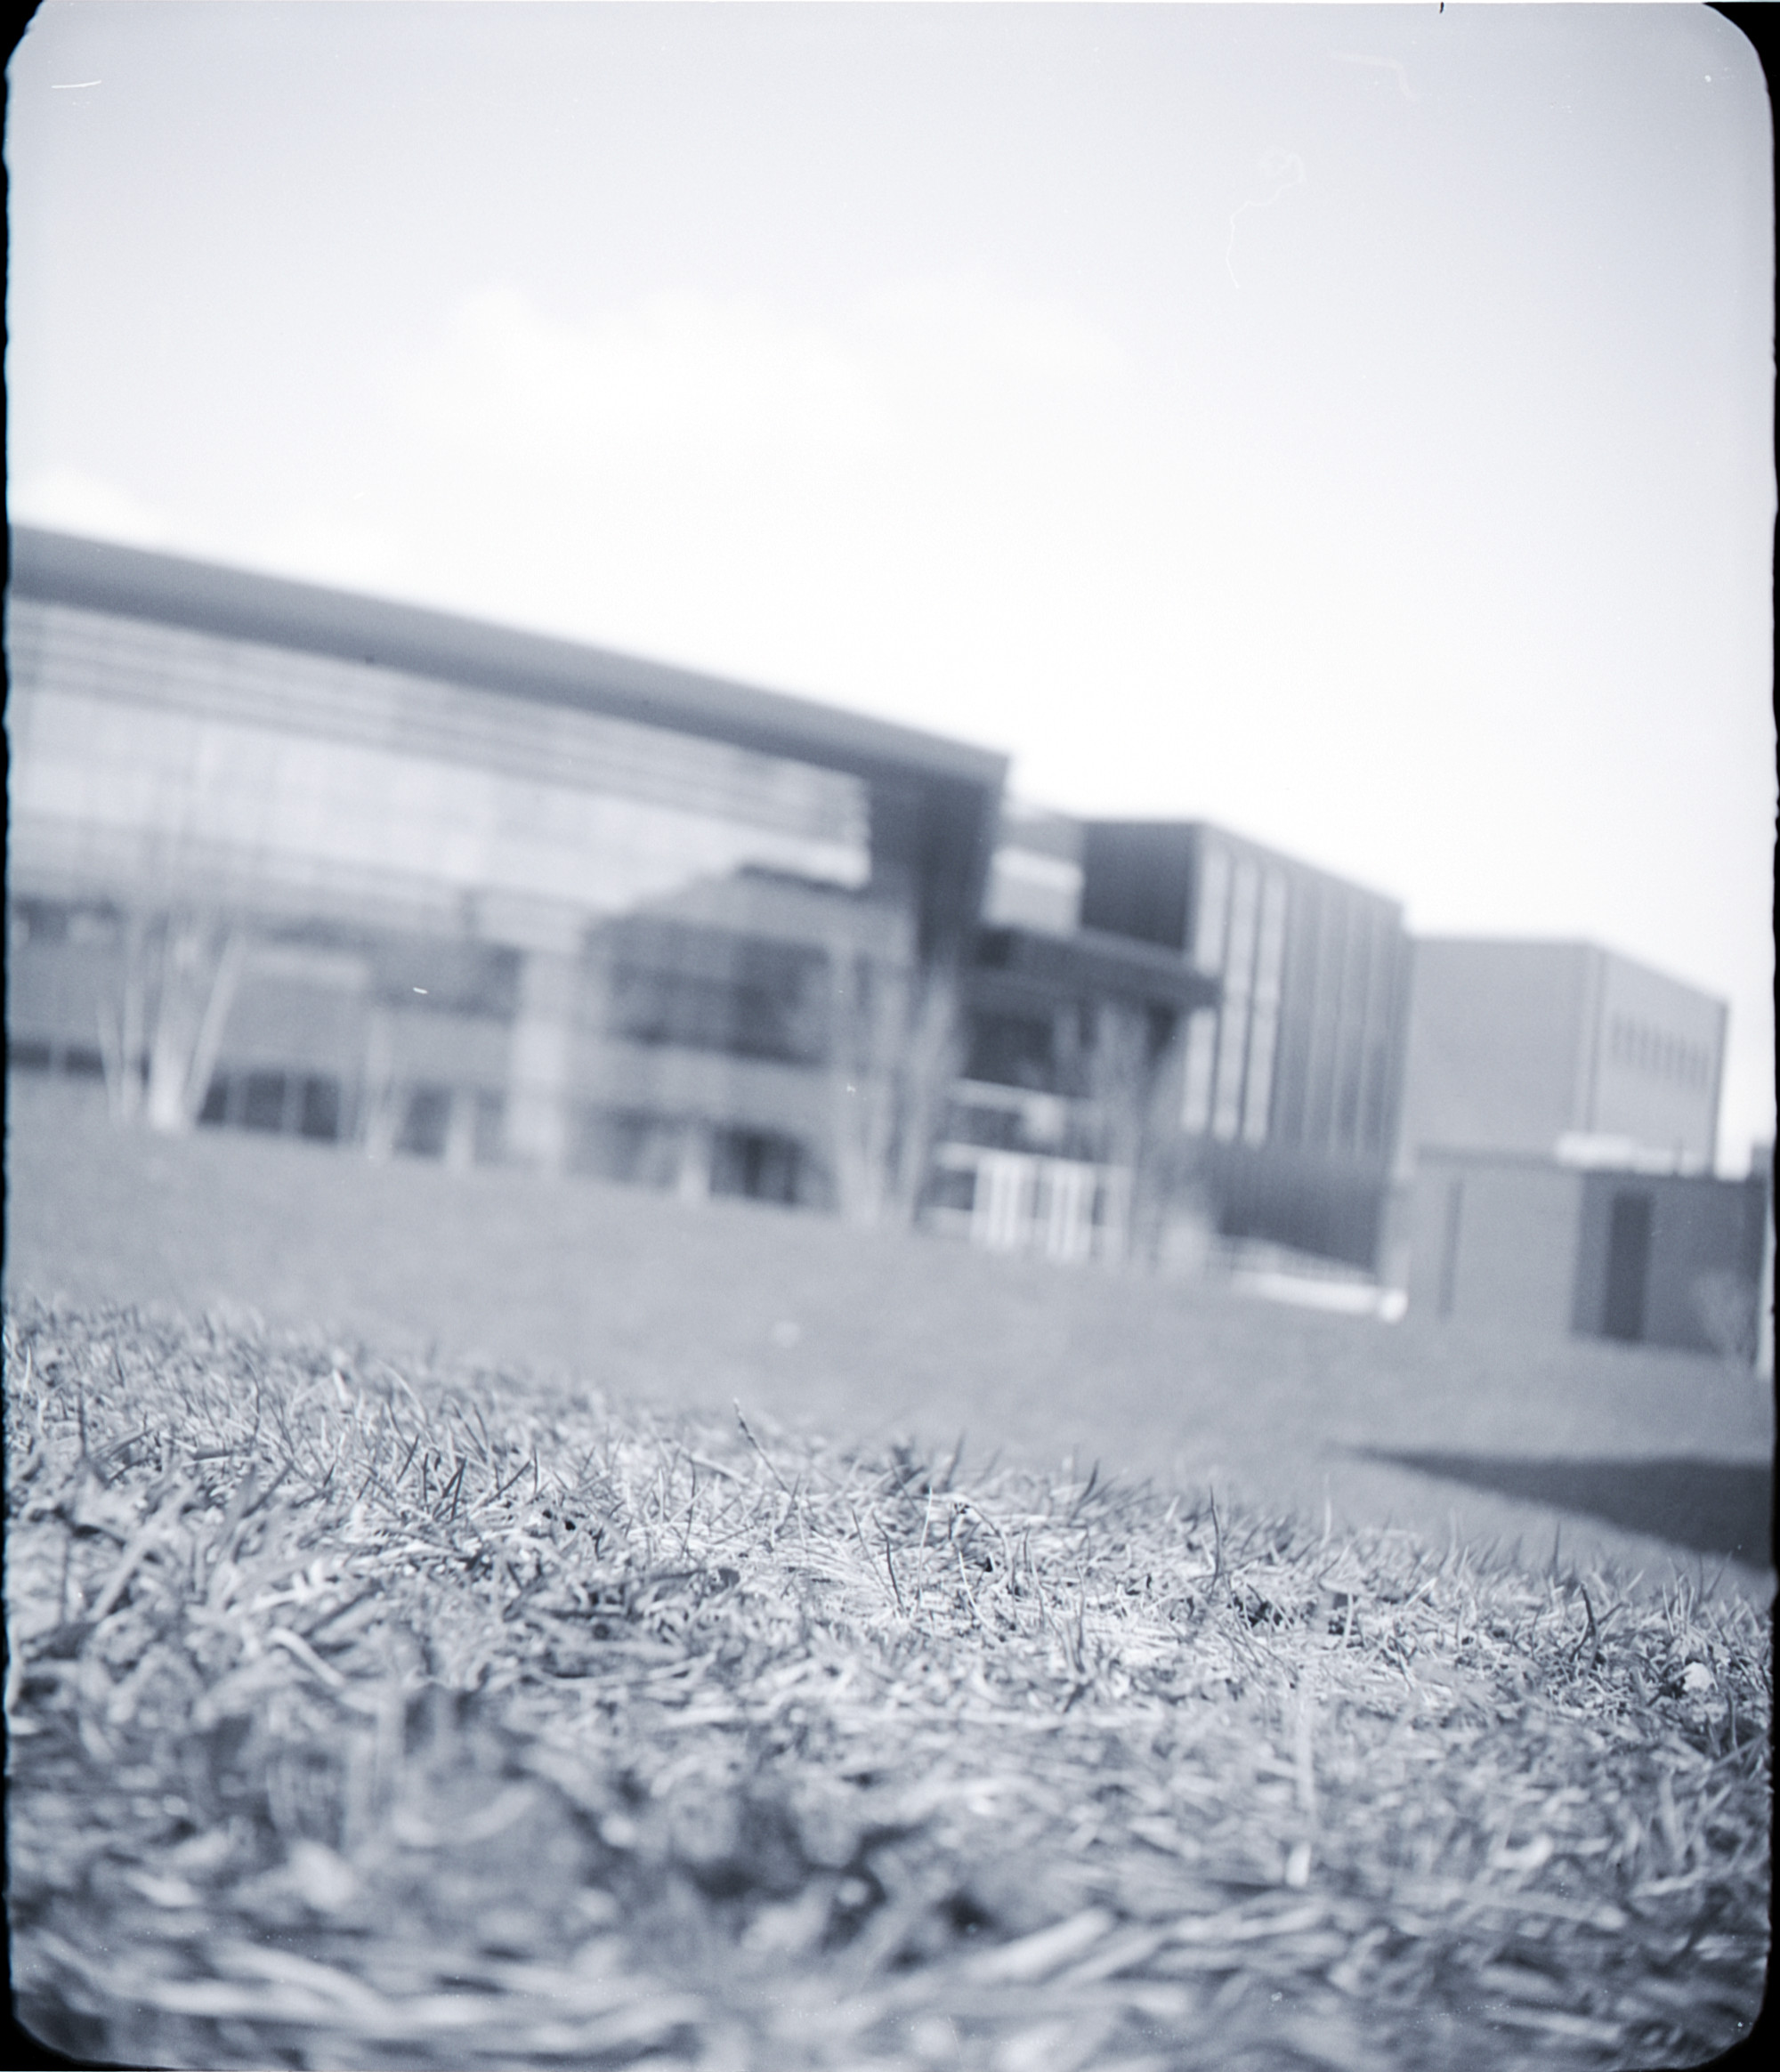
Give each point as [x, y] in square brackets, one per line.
[1494, 1241]
[1658, 1052]
[1705, 1240]
[1524, 1244]
[1497, 1045]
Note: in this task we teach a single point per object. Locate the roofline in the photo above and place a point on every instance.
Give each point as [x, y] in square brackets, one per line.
[1115, 963]
[1255, 847]
[242, 604]
[1574, 945]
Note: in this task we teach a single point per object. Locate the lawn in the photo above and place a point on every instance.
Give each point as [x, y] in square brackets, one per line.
[369, 1712]
[1659, 1463]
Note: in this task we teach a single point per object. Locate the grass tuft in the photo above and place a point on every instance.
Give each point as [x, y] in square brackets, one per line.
[363, 1718]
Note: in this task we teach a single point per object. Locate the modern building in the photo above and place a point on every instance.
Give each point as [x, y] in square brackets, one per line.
[289, 860]
[1560, 1116]
[297, 859]
[1260, 1086]
[1537, 1246]
[1061, 1101]
[1559, 1048]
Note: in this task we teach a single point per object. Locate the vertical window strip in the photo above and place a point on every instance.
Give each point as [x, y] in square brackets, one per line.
[1350, 1027]
[1326, 1025]
[1201, 1051]
[1297, 998]
[1374, 1038]
[1239, 980]
[1211, 928]
[1264, 1038]
[1262, 1043]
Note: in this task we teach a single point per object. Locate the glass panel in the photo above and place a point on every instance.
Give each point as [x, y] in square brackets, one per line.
[263, 1106]
[1264, 1038]
[1238, 975]
[1263, 1042]
[1202, 1050]
[705, 989]
[320, 1116]
[127, 768]
[1213, 918]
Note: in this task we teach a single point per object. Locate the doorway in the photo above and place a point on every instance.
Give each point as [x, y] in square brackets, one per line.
[1628, 1268]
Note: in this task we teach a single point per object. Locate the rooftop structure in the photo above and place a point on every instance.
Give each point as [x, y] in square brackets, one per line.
[1559, 1050]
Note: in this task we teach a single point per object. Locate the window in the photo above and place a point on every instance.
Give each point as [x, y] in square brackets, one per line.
[1213, 916]
[1239, 979]
[756, 1163]
[425, 1124]
[1011, 1050]
[321, 1111]
[1202, 1050]
[1269, 967]
[703, 989]
[263, 1105]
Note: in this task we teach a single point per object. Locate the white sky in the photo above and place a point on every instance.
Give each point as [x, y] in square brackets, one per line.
[1353, 425]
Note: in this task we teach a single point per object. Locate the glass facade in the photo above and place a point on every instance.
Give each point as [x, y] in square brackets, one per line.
[150, 756]
[712, 989]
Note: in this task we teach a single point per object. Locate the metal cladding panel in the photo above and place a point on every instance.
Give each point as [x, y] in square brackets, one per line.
[1138, 879]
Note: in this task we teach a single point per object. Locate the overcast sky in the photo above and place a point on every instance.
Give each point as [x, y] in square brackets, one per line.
[1352, 425]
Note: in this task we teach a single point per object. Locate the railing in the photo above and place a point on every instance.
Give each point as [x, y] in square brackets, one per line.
[1022, 1201]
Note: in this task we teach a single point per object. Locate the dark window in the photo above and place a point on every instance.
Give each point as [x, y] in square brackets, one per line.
[995, 1129]
[27, 1057]
[320, 1116]
[80, 1061]
[1011, 1051]
[950, 1189]
[705, 989]
[762, 1166]
[491, 1128]
[425, 1123]
[1135, 881]
[1628, 1268]
[215, 1108]
[263, 1107]
[44, 923]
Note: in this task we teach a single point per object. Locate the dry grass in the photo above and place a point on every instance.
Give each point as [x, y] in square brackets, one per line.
[367, 1719]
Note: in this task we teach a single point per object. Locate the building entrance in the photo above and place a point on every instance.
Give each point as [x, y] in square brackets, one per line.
[1628, 1268]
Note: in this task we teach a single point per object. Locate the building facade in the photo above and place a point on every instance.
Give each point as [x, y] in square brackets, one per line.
[291, 861]
[1536, 1246]
[307, 861]
[1560, 1117]
[1523, 1048]
[1268, 1079]
[1061, 1103]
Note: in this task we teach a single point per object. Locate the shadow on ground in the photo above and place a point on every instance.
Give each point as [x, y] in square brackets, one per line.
[1716, 1507]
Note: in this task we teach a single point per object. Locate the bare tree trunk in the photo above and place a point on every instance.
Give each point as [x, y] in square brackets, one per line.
[1130, 1079]
[873, 1023]
[929, 1064]
[200, 967]
[376, 1117]
[120, 1033]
